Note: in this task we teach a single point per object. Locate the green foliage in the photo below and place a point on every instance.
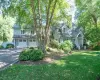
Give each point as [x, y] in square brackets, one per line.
[25, 55]
[31, 48]
[96, 47]
[9, 46]
[31, 54]
[48, 49]
[66, 45]
[88, 18]
[6, 30]
[35, 12]
[54, 44]
[1, 47]
[36, 54]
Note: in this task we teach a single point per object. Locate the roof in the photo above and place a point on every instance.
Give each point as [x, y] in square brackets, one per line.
[25, 36]
[76, 31]
[16, 26]
[70, 32]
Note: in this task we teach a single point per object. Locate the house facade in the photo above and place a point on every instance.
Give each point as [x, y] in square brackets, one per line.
[75, 34]
[27, 38]
[24, 37]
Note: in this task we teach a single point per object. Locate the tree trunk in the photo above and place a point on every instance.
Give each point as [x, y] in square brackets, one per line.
[48, 23]
[41, 36]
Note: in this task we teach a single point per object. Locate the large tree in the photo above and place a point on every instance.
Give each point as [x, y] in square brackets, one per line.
[89, 18]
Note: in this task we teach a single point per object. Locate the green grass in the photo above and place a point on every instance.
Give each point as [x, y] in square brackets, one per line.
[78, 66]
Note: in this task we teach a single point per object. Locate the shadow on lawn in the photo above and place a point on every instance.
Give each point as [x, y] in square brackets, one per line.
[85, 65]
[78, 66]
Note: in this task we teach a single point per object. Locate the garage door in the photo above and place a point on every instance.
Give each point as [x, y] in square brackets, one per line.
[22, 43]
[32, 43]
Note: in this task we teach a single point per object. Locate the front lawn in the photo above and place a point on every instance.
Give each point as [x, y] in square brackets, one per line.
[78, 66]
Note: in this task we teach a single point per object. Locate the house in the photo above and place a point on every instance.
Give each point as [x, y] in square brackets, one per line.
[27, 38]
[75, 34]
[23, 37]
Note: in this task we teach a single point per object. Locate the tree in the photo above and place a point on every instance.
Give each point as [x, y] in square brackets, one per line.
[40, 13]
[6, 31]
[89, 16]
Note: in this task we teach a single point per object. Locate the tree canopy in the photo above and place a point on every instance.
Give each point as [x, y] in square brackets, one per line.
[6, 31]
[89, 18]
[38, 13]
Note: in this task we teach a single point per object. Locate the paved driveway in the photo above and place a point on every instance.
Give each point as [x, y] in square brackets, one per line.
[9, 56]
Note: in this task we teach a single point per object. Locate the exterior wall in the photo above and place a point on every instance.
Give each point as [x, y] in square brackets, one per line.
[17, 32]
[76, 38]
[26, 32]
[21, 41]
[79, 40]
[57, 35]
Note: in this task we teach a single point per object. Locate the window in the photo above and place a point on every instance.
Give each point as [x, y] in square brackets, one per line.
[30, 40]
[32, 32]
[24, 40]
[33, 40]
[20, 40]
[64, 29]
[22, 31]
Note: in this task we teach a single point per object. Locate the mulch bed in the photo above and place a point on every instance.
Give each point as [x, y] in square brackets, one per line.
[47, 60]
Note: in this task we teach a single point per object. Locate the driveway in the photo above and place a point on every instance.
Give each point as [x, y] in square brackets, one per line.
[8, 56]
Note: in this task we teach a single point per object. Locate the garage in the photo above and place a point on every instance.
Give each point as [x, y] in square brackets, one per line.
[32, 43]
[22, 43]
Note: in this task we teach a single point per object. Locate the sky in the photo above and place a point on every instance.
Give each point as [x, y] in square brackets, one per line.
[0, 12]
[73, 8]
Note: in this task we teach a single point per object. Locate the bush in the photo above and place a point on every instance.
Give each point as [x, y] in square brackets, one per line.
[9, 46]
[54, 44]
[36, 55]
[31, 54]
[24, 55]
[97, 47]
[66, 45]
[31, 48]
[1, 47]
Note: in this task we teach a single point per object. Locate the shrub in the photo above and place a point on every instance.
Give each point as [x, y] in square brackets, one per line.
[1, 47]
[36, 55]
[31, 54]
[97, 47]
[31, 48]
[54, 44]
[66, 45]
[24, 55]
[9, 46]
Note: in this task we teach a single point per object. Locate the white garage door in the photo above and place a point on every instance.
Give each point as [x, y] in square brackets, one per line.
[32, 43]
[22, 43]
